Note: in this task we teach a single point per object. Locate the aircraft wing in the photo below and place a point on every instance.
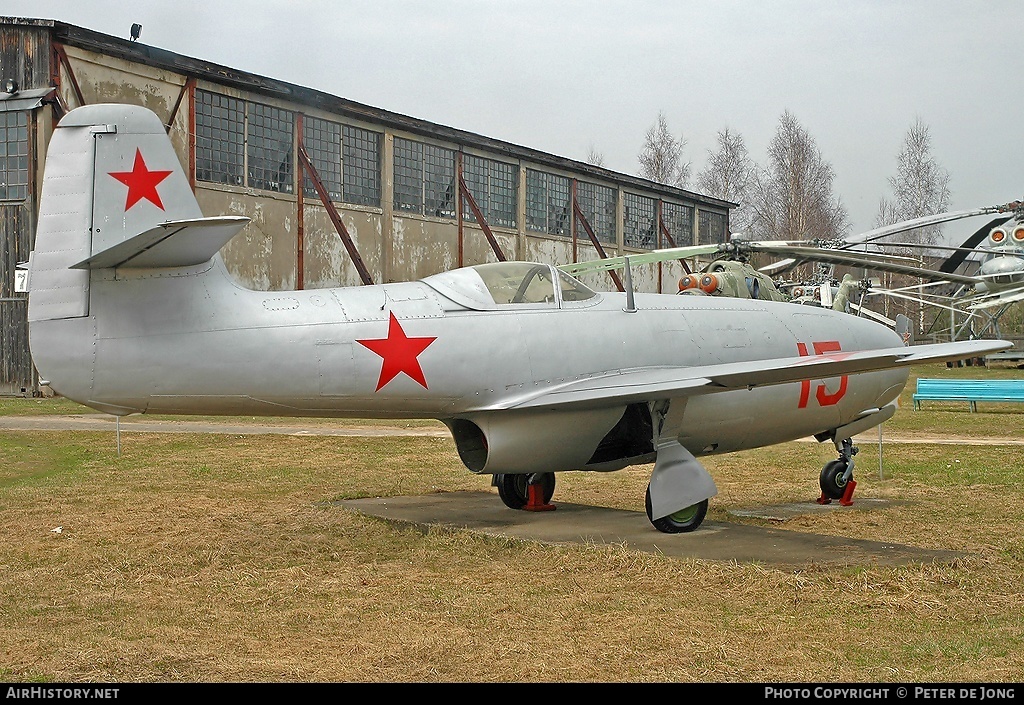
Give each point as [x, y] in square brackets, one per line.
[648, 384]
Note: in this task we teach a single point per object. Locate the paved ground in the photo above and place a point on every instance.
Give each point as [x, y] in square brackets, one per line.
[343, 427]
[484, 511]
[718, 541]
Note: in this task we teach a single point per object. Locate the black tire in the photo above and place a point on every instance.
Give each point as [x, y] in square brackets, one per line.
[832, 482]
[680, 522]
[514, 488]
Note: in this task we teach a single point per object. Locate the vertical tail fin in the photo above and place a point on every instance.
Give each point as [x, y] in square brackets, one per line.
[904, 329]
[114, 196]
[110, 174]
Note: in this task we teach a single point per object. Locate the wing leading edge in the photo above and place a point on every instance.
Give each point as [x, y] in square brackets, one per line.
[648, 384]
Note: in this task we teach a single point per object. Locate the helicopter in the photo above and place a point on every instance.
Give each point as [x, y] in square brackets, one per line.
[1000, 282]
[977, 299]
[730, 274]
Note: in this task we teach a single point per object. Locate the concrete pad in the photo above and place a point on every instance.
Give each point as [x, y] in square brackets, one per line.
[575, 523]
[782, 512]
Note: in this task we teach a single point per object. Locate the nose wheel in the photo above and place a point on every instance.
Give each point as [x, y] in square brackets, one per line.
[836, 480]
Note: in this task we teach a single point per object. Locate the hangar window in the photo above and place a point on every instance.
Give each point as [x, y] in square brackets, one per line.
[493, 185]
[598, 205]
[424, 178]
[712, 227]
[678, 221]
[361, 165]
[322, 140]
[547, 202]
[269, 148]
[408, 175]
[14, 156]
[639, 215]
[439, 181]
[220, 138]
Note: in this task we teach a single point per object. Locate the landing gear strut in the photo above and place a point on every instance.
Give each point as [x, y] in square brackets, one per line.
[836, 479]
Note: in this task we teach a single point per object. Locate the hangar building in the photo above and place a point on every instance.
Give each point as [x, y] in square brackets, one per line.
[339, 193]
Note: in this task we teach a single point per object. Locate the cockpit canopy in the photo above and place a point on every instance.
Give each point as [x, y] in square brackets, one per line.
[520, 284]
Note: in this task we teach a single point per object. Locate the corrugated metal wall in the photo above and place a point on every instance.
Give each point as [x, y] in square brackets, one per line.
[25, 57]
[17, 375]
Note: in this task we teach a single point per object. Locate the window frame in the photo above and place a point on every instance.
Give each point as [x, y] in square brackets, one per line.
[542, 212]
[16, 150]
[639, 221]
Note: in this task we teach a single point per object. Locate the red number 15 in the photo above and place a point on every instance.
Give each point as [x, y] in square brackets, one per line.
[821, 394]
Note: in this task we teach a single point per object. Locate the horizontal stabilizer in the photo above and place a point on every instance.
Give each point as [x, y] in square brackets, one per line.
[179, 243]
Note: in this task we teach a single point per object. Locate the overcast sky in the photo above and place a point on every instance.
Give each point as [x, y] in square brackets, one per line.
[565, 76]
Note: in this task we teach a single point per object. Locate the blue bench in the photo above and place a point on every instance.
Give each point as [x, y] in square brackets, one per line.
[969, 390]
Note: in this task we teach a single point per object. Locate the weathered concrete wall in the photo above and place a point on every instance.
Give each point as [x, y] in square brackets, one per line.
[106, 79]
[424, 246]
[326, 260]
[264, 255]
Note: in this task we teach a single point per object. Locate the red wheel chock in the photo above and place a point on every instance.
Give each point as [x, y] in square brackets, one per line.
[847, 498]
[535, 500]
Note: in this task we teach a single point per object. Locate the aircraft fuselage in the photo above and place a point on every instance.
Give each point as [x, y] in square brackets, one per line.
[197, 343]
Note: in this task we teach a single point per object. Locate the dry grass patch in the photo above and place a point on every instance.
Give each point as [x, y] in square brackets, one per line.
[222, 558]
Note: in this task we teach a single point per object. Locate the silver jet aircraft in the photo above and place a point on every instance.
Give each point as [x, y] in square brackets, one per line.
[131, 310]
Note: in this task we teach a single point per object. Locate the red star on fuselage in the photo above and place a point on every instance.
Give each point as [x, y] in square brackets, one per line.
[141, 182]
[399, 352]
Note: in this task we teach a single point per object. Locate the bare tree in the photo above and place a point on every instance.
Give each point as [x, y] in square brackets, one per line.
[920, 187]
[661, 159]
[793, 192]
[729, 174]
[594, 157]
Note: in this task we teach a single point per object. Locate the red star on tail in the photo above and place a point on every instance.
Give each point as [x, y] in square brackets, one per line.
[141, 182]
[399, 352]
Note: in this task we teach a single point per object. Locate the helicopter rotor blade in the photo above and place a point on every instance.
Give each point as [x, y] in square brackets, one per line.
[980, 234]
[600, 265]
[925, 221]
[858, 259]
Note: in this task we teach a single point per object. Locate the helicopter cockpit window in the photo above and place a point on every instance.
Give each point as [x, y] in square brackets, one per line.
[753, 287]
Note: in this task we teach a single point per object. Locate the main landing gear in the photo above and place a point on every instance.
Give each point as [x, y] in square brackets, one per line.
[529, 491]
[685, 520]
[836, 479]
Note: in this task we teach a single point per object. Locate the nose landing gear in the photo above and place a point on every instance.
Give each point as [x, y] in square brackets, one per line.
[836, 478]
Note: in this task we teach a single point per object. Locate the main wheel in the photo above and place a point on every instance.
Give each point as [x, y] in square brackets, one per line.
[686, 519]
[833, 479]
[514, 490]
